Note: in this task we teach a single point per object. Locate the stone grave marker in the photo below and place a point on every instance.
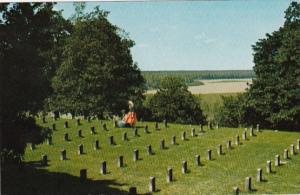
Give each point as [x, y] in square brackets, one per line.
[66, 125]
[201, 128]
[96, 145]
[32, 146]
[135, 155]
[44, 161]
[286, 154]
[149, 150]
[124, 138]
[277, 160]
[245, 135]
[156, 126]
[63, 155]
[121, 161]
[103, 169]
[115, 123]
[251, 132]
[184, 167]
[197, 160]
[237, 141]
[269, 166]
[80, 149]
[165, 123]
[152, 187]
[111, 140]
[229, 147]
[79, 133]
[44, 119]
[104, 127]
[209, 155]
[146, 129]
[162, 144]
[93, 131]
[259, 175]
[83, 175]
[193, 132]
[173, 142]
[236, 191]
[66, 137]
[169, 175]
[135, 132]
[292, 149]
[183, 136]
[248, 184]
[219, 149]
[49, 140]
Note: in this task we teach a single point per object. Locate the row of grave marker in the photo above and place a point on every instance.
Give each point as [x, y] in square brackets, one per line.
[135, 132]
[111, 138]
[152, 188]
[78, 122]
[169, 178]
[184, 164]
[149, 147]
[259, 176]
[104, 127]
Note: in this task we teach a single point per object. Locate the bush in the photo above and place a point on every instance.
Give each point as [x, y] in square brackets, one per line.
[175, 103]
[231, 113]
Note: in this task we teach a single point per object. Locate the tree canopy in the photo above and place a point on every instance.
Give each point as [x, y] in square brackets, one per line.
[275, 93]
[28, 33]
[97, 73]
[175, 103]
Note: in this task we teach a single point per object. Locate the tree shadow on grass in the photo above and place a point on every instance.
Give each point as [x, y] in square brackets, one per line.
[31, 179]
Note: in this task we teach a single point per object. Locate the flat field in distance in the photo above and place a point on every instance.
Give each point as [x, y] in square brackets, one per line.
[218, 86]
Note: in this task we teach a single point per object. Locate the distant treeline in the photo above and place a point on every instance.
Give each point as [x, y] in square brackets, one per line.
[191, 77]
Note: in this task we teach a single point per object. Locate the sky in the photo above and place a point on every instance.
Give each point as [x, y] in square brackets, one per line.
[192, 35]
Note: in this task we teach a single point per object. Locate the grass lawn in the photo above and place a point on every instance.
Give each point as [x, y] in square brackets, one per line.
[217, 176]
[211, 103]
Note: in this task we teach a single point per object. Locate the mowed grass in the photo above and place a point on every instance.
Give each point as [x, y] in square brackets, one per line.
[217, 176]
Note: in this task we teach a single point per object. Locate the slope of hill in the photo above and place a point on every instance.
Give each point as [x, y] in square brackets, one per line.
[218, 175]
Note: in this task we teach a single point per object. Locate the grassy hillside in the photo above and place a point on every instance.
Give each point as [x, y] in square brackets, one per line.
[217, 176]
[211, 103]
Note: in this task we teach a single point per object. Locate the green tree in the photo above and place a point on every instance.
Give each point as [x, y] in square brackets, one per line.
[27, 37]
[97, 74]
[274, 96]
[231, 113]
[175, 103]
